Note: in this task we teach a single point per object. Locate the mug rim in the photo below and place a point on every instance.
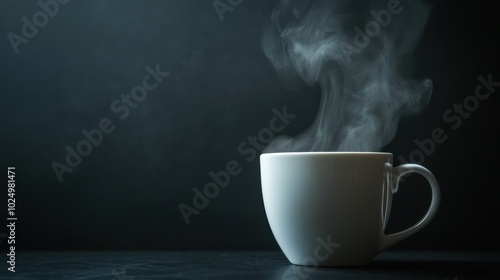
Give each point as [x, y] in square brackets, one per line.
[325, 153]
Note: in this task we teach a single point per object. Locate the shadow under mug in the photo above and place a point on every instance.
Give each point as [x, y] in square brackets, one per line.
[331, 208]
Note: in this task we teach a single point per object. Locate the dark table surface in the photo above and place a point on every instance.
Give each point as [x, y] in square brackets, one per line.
[129, 265]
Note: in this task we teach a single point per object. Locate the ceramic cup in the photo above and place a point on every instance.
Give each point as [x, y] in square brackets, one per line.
[331, 208]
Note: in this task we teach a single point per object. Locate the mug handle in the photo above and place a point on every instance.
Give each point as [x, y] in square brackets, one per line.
[397, 173]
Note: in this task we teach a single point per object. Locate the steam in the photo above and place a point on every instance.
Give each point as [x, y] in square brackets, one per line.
[364, 83]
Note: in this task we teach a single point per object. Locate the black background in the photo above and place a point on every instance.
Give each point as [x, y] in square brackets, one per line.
[221, 89]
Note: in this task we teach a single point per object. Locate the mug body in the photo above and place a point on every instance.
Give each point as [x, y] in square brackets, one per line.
[327, 208]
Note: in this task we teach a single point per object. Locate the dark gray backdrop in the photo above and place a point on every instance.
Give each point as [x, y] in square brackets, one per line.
[221, 89]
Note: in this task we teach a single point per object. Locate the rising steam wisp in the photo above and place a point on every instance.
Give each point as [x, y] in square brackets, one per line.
[364, 89]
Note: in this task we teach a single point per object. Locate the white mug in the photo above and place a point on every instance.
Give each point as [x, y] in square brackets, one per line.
[331, 208]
